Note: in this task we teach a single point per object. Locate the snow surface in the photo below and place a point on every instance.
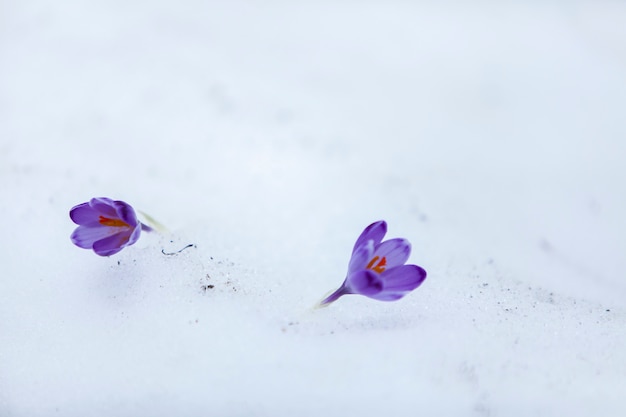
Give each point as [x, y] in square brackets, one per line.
[268, 134]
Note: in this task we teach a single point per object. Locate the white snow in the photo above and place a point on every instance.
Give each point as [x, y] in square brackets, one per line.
[269, 134]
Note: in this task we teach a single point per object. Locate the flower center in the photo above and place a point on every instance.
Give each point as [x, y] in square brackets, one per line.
[377, 267]
[105, 221]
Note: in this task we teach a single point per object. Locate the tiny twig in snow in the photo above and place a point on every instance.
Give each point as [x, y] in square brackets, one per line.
[176, 253]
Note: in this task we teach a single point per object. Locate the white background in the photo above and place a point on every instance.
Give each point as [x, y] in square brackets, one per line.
[269, 134]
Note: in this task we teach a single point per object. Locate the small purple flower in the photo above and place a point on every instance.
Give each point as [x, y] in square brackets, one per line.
[106, 226]
[377, 269]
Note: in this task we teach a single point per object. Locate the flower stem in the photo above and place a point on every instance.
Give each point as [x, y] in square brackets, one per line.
[156, 226]
[333, 297]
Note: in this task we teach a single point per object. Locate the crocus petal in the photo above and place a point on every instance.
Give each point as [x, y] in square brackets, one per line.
[84, 215]
[365, 282]
[104, 206]
[84, 237]
[375, 231]
[111, 245]
[135, 235]
[399, 281]
[361, 257]
[125, 212]
[396, 251]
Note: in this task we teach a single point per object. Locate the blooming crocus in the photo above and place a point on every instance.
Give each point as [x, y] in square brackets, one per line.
[377, 269]
[105, 225]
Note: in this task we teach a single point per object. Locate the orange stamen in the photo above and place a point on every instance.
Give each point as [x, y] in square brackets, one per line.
[112, 222]
[379, 267]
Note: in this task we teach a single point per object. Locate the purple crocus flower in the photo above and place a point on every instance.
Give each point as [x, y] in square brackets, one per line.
[105, 225]
[377, 268]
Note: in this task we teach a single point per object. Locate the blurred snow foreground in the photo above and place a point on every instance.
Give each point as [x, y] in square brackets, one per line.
[266, 136]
